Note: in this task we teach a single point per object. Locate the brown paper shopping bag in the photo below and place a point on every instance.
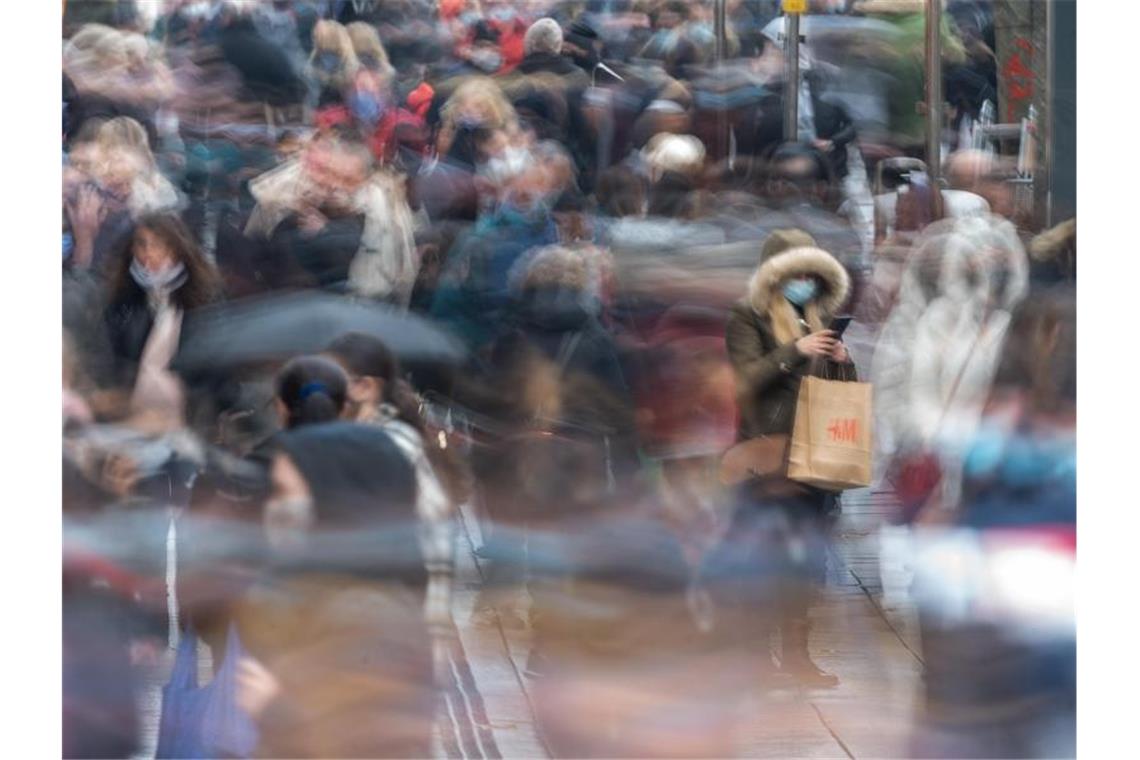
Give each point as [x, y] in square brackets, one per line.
[831, 438]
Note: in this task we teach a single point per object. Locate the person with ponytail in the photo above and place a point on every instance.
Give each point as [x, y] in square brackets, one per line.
[310, 390]
[379, 396]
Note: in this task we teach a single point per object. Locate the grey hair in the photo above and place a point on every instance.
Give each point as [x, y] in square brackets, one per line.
[544, 36]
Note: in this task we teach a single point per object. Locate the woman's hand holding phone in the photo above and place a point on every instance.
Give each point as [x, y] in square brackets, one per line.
[820, 344]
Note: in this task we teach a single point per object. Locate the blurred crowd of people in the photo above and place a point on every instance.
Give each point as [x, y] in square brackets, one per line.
[340, 275]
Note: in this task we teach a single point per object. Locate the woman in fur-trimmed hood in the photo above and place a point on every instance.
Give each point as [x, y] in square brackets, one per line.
[771, 338]
[773, 559]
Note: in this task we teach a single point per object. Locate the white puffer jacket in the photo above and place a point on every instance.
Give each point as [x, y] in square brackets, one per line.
[937, 354]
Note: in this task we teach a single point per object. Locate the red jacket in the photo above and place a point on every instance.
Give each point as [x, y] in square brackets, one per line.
[511, 35]
[398, 127]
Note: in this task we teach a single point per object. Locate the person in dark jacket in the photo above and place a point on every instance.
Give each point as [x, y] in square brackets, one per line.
[269, 73]
[547, 87]
[339, 658]
[472, 291]
[775, 337]
[164, 274]
[831, 128]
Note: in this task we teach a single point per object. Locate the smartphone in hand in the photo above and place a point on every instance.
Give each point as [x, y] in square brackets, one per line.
[839, 325]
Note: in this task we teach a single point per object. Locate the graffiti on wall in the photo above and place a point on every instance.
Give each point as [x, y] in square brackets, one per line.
[1018, 78]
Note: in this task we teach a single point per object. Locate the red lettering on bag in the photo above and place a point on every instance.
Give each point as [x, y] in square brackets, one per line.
[844, 430]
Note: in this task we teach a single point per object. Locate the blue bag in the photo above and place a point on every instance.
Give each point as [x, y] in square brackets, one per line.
[204, 722]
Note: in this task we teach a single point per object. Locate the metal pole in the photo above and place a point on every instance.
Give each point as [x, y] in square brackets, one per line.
[934, 88]
[1046, 121]
[720, 24]
[791, 76]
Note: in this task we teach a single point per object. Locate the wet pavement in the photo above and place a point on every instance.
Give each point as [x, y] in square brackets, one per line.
[873, 650]
[864, 632]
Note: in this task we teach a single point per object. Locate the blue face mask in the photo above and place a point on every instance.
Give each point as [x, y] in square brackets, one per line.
[328, 61]
[366, 107]
[801, 290]
[518, 215]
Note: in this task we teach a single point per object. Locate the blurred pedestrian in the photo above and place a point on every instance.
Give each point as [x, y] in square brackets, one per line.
[338, 221]
[111, 179]
[472, 292]
[370, 52]
[378, 395]
[150, 290]
[339, 663]
[1054, 255]
[935, 358]
[775, 552]
[333, 62]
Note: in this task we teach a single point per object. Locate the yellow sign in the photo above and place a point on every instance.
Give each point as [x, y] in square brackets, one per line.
[795, 6]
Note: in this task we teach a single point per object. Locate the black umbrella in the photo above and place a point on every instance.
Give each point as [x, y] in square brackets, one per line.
[275, 328]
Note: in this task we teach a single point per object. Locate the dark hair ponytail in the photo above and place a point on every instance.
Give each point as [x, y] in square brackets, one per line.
[313, 389]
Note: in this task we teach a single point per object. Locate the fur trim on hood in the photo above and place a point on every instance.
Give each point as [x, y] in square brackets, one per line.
[797, 262]
[1055, 242]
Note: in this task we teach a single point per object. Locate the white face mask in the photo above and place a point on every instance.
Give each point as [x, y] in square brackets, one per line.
[512, 162]
[287, 521]
[487, 60]
[166, 279]
[198, 10]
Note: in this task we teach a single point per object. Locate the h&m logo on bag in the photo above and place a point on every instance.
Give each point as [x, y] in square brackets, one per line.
[843, 430]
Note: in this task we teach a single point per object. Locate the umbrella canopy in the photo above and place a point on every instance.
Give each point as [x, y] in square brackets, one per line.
[275, 328]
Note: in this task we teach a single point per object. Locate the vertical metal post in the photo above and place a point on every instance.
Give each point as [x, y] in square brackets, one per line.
[934, 88]
[720, 27]
[1045, 123]
[791, 76]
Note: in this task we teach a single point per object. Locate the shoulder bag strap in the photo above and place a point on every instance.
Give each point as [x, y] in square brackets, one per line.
[958, 379]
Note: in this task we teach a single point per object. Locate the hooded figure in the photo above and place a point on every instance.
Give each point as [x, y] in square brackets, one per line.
[1054, 255]
[763, 330]
[937, 354]
[338, 622]
[773, 560]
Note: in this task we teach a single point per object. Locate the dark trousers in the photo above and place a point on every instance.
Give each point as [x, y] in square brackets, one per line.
[772, 563]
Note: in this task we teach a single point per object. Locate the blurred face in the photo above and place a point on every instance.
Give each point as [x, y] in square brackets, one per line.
[152, 253]
[117, 169]
[668, 20]
[289, 148]
[289, 512]
[527, 188]
[485, 56]
[85, 157]
[334, 174]
[495, 146]
[364, 393]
